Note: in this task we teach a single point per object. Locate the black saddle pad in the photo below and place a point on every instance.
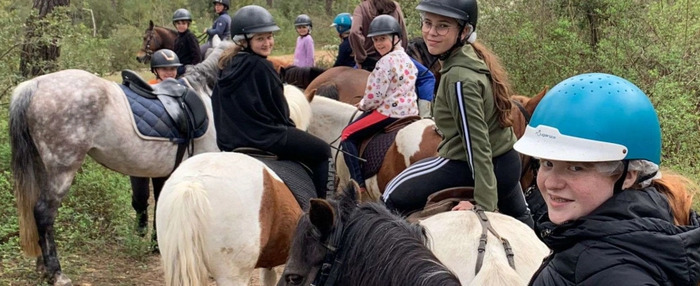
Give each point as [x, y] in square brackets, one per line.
[297, 179]
[375, 151]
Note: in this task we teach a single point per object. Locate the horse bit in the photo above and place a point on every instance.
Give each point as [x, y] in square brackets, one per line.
[485, 229]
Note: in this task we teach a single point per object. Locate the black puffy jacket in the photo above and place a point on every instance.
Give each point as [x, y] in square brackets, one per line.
[629, 240]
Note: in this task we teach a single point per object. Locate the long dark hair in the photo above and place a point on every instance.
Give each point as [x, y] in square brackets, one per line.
[384, 6]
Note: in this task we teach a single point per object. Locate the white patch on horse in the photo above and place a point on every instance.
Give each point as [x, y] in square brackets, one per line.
[407, 143]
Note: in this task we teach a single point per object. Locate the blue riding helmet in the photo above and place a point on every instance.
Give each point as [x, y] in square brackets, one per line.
[593, 117]
[342, 22]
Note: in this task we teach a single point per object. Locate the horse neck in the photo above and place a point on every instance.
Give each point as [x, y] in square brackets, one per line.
[330, 117]
[397, 255]
[167, 37]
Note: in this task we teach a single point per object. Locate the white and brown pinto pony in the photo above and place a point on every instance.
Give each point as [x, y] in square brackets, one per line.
[414, 142]
[225, 214]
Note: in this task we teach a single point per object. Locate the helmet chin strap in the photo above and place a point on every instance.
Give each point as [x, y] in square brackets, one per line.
[458, 44]
[248, 49]
[618, 184]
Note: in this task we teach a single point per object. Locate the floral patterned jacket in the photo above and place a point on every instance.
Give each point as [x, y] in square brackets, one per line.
[391, 86]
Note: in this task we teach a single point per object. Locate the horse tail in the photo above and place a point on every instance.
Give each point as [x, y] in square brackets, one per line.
[182, 236]
[28, 170]
[496, 272]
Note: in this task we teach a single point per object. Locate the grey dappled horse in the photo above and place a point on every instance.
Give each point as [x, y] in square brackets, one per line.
[59, 118]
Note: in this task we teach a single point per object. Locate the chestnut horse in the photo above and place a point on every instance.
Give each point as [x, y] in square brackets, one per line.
[155, 38]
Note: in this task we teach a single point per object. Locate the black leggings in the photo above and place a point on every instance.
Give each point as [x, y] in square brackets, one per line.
[409, 191]
[312, 152]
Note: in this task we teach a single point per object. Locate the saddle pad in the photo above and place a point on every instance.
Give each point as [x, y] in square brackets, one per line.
[375, 151]
[297, 179]
[150, 116]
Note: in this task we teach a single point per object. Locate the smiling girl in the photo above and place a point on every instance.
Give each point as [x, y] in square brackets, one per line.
[250, 109]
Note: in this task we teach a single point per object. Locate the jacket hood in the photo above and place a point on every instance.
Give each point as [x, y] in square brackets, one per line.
[634, 221]
[465, 57]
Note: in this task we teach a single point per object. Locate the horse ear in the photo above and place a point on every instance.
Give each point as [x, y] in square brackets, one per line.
[322, 216]
[150, 24]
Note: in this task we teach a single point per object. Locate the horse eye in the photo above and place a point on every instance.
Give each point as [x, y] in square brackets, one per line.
[294, 279]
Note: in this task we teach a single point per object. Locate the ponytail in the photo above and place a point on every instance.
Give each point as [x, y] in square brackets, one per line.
[678, 191]
[499, 83]
[228, 55]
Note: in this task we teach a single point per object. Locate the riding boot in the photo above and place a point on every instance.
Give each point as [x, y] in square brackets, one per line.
[142, 223]
[139, 201]
[324, 178]
[331, 180]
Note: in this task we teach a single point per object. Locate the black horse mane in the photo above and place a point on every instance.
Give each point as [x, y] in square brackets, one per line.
[419, 51]
[384, 249]
[300, 76]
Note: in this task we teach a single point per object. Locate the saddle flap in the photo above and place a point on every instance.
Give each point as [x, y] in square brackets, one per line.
[135, 82]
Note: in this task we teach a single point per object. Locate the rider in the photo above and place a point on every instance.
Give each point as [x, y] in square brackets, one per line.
[609, 222]
[472, 112]
[342, 24]
[389, 95]
[425, 86]
[221, 26]
[164, 64]
[250, 109]
[186, 44]
[304, 50]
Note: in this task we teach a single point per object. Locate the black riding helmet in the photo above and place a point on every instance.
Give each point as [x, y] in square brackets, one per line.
[303, 20]
[182, 15]
[252, 19]
[164, 58]
[384, 25]
[464, 11]
[226, 3]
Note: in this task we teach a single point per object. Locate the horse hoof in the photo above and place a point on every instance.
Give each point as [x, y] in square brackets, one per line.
[62, 280]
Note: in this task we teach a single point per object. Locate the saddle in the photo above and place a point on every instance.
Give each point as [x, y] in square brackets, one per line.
[374, 148]
[442, 201]
[295, 175]
[181, 103]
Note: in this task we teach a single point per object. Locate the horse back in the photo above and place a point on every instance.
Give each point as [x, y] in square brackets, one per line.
[279, 213]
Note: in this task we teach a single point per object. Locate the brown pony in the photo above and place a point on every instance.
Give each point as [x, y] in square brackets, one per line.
[155, 38]
[280, 62]
[344, 84]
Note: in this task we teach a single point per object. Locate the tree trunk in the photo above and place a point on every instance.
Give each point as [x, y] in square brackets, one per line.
[39, 57]
[329, 7]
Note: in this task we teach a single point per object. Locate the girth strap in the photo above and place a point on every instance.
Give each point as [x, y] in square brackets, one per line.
[485, 228]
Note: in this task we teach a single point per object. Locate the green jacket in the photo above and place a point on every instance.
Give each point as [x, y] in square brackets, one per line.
[465, 113]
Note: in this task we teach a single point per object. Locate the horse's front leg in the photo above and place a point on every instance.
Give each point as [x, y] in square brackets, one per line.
[45, 213]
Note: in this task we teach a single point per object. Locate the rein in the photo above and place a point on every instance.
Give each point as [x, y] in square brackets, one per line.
[485, 229]
[330, 269]
[335, 160]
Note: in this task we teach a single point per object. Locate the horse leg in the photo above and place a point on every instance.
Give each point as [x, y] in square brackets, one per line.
[45, 212]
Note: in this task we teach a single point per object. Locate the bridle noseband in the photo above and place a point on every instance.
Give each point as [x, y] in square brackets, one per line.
[149, 39]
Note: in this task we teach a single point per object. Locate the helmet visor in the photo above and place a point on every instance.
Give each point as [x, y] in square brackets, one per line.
[548, 143]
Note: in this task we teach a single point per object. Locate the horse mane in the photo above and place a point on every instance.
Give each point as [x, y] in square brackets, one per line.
[679, 190]
[207, 71]
[300, 76]
[384, 249]
[171, 31]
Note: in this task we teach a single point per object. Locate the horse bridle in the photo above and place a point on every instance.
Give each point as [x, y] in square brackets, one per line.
[330, 268]
[148, 50]
[485, 229]
[531, 164]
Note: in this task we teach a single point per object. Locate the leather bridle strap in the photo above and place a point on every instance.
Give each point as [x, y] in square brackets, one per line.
[330, 268]
[526, 114]
[485, 228]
